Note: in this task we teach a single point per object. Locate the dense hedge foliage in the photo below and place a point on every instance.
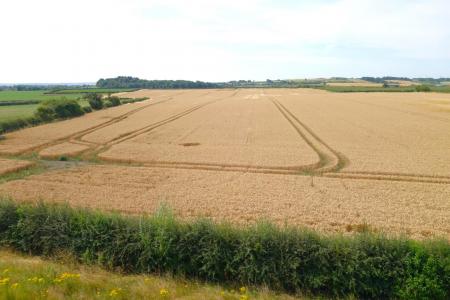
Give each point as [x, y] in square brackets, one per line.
[10, 125]
[422, 88]
[365, 266]
[112, 101]
[95, 100]
[63, 108]
[19, 102]
[47, 111]
[59, 109]
[389, 89]
[132, 100]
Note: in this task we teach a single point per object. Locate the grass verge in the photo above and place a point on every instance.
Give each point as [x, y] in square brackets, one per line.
[25, 277]
[366, 265]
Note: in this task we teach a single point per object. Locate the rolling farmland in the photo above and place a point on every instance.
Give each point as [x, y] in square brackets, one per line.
[328, 161]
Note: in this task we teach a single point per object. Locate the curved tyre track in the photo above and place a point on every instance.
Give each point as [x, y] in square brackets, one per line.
[198, 166]
[330, 159]
[331, 162]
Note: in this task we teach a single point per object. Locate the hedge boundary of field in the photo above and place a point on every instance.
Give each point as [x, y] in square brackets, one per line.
[399, 89]
[19, 123]
[19, 102]
[367, 265]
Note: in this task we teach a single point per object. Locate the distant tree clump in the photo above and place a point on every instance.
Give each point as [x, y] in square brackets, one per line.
[112, 101]
[422, 88]
[95, 100]
[383, 79]
[58, 109]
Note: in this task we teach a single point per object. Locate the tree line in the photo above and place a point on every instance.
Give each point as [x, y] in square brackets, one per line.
[134, 82]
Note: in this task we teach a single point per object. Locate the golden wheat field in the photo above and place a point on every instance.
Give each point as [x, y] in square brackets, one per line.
[9, 165]
[328, 161]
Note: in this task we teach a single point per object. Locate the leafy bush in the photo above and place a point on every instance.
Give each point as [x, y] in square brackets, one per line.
[428, 276]
[95, 100]
[58, 109]
[422, 88]
[366, 266]
[87, 109]
[112, 101]
[132, 100]
[6, 126]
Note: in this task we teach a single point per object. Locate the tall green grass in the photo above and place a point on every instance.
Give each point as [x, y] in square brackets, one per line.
[288, 259]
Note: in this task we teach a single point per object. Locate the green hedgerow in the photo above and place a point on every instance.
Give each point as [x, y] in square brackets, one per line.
[366, 265]
[58, 109]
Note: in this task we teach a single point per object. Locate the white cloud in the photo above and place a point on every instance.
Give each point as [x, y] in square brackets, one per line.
[60, 41]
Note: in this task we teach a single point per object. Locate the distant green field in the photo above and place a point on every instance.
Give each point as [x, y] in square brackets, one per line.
[6, 96]
[93, 90]
[37, 96]
[13, 112]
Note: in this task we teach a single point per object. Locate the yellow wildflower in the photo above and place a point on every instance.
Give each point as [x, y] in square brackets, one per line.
[69, 275]
[243, 290]
[4, 281]
[164, 292]
[15, 285]
[57, 280]
[65, 276]
[243, 297]
[115, 292]
[36, 279]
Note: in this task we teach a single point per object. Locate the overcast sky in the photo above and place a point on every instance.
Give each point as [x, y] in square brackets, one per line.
[84, 40]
